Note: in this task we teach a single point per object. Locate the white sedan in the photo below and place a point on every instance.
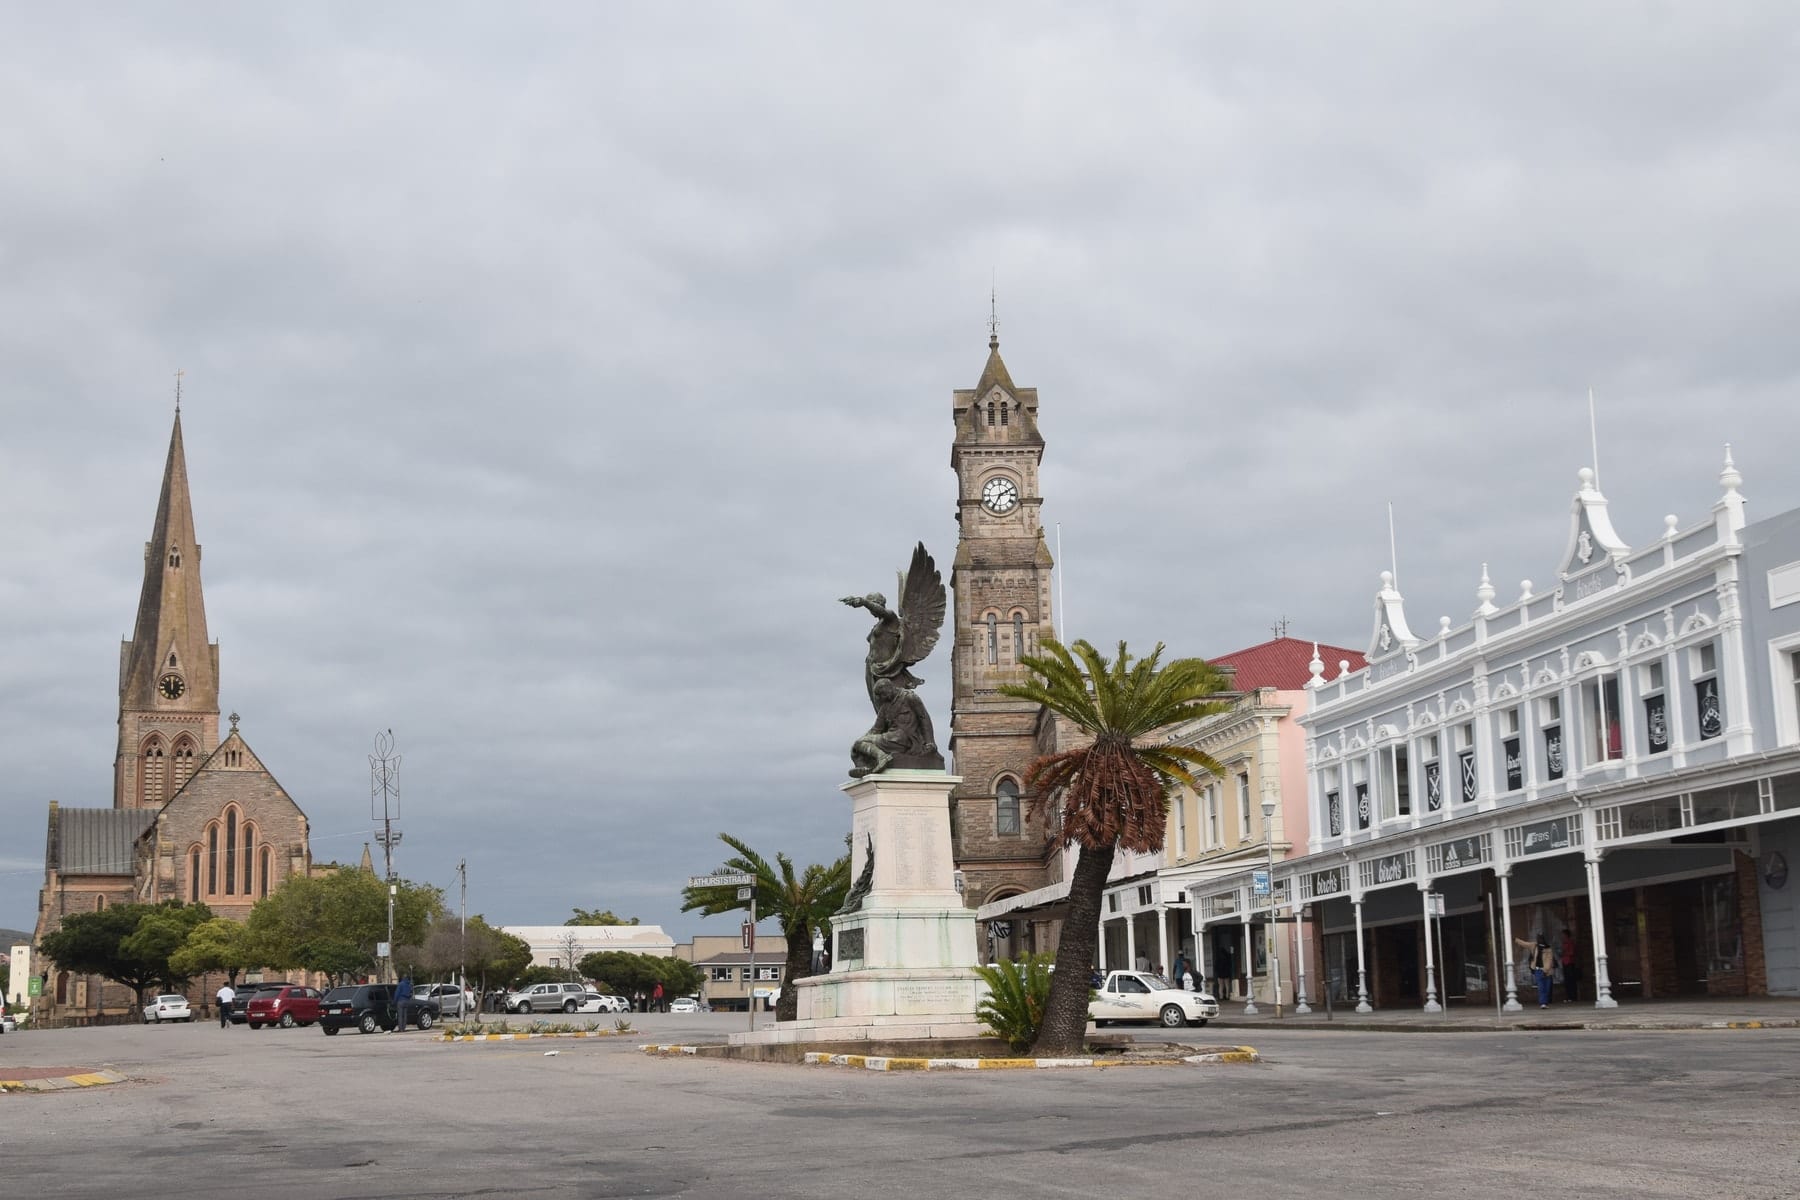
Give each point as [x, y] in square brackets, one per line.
[168, 1007]
[1141, 996]
[599, 1002]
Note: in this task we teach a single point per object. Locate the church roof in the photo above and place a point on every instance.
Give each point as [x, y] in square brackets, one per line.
[95, 841]
[1282, 663]
[171, 615]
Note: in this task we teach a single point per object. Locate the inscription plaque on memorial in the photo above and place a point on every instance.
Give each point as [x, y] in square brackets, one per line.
[850, 944]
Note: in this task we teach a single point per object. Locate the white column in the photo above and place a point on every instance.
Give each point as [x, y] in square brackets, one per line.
[1431, 1000]
[1597, 922]
[1249, 960]
[1131, 941]
[1512, 985]
[1362, 972]
[1300, 1005]
[1102, 947]
[1200, 951]
[1162, 940]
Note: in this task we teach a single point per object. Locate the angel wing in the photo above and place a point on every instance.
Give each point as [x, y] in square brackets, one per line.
[922, 604]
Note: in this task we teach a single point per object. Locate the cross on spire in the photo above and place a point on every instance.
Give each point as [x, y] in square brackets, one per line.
[993, 318]
[178, 374]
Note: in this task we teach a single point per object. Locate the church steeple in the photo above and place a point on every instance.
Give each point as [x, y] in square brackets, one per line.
[168, 670]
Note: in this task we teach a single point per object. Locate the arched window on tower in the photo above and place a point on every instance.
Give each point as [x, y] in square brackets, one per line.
[990, 414]
[194, 875]
[212, 859]
[1003, 409]
[174, 556]
[151, 767]
[1006, 807]
[181, 763]
[231, 828]
[993, 622]
[99, 903]
[249, 855]
[268, 869]
[1018, 636]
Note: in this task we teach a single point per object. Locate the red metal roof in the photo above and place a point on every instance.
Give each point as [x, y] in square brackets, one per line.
[1284, 663]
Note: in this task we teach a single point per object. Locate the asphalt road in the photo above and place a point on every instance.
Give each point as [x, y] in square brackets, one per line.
[282, 1113]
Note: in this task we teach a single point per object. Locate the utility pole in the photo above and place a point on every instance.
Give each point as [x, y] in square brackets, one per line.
[462, 949]
[384, 786]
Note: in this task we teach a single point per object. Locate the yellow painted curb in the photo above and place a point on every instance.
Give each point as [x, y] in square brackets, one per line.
[59, 1083]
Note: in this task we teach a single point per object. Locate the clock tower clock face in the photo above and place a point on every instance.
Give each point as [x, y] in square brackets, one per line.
[999, 496]
[171, 687]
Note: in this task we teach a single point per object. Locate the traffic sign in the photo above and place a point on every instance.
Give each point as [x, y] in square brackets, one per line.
[1259, 882]
[744, 893]
[739, 880]
[1434, 903]
[749, 932]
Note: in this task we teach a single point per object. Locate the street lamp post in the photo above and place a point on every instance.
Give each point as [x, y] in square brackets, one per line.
[1269, 804]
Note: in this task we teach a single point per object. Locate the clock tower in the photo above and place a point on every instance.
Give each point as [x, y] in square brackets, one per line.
[1000, 585]
[168, 670]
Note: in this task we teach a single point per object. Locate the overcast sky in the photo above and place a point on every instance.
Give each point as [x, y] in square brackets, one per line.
[551, 371]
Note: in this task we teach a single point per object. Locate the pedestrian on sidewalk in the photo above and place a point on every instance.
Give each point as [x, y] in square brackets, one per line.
[1543, 967]
[1571, 968]
[225, 997]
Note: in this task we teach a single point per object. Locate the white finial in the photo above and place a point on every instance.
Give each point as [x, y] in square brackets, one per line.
[1343, 667]
[1586, 475]
[1443, 626]
[1484, 594]
[1315, 668]
[1524, 589]
[1670, 523]
[1729, 479]
[1387, 581]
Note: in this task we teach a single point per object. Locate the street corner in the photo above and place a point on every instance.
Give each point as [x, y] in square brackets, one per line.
[54, 1079]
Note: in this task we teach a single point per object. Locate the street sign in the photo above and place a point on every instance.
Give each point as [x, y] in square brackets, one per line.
[37, 986]
[749, 932]
[1434, 902]
[1259, 882]
[745, 893]
[719, 880]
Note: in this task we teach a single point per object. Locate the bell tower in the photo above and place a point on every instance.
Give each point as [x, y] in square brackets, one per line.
[1000, 584]
[168, 670]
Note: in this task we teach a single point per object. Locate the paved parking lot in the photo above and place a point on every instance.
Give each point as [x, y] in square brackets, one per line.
[290, 1112]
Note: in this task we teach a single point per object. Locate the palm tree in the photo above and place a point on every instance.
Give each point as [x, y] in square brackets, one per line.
[1114, 791]
[802, 902]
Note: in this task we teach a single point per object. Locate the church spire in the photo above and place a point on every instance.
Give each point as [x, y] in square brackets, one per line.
[169, 663]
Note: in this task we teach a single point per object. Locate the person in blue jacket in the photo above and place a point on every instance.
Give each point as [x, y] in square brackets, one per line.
[402, 1002]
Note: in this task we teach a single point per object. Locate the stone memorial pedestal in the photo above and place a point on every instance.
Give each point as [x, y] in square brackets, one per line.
[901, 962]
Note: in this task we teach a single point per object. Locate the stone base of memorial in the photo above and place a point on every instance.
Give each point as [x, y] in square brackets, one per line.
[902, 959]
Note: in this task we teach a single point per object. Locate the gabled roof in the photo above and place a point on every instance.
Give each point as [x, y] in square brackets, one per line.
[96, 841]
[1283, 663]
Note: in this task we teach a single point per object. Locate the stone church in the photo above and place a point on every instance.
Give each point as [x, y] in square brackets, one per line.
[1001, 607]
[194, 817]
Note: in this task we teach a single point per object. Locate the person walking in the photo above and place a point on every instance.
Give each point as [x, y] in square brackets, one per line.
[225, 997]
[1571, 968]
[402, 1002]
[1543, 967]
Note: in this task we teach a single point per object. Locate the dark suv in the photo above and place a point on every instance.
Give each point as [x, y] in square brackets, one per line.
[370, 1006]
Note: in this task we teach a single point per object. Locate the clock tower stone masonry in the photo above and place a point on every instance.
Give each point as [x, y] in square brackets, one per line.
[1001, 608]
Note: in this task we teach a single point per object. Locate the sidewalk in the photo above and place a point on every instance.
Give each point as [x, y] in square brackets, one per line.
[1699, 1012]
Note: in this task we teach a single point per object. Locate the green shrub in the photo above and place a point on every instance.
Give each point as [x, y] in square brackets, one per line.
[1017, 993]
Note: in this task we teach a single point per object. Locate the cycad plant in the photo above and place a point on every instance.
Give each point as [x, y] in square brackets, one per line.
[1113, 791]
[1017, 995]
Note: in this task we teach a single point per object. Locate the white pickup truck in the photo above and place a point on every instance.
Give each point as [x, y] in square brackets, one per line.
[1141, 996]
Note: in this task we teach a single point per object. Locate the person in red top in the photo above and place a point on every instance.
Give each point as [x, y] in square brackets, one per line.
[656, 1000]
[1571, 967]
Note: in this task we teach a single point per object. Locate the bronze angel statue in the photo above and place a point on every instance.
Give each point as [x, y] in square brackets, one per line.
[901, 736]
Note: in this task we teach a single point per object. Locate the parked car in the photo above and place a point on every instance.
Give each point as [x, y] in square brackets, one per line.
[452, 1000]
[370, 1006]
[8, 1022]
[684, 1004]
[240, 1005]
[1141, 996]
[593, 1002]
[547, 997]
[286, 1006]
[167, 1007]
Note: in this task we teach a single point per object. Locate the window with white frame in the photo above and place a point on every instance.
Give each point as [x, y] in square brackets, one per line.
[1512, 757]
[1432, 763]
[1243, 794]
[1468, 781]
[1653, 688]
[1600, 719]
[1212, 816]
[1006, 807]
[1359, 792]
[1709, 713]
[1181, 824]
[1334, 801]
[1550, 725]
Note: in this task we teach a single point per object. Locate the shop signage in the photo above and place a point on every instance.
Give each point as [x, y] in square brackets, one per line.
[1545, 836]
[1463, 852]
[1328, 883]
[1259, 882]
[1393, 868]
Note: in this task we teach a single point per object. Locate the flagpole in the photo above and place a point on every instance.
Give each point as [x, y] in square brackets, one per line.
[1594, 438]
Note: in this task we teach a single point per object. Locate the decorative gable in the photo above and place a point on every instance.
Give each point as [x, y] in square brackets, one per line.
[1594, 558]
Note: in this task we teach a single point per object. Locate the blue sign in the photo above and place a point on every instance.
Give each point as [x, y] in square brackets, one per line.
[1259, 882]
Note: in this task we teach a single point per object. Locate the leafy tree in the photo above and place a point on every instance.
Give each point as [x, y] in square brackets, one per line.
[347, 907]
[627, 974]
[801, 902]
[126, 943]
[495, 955]
[536, 974]
[1112, 792]
[595, 916]
[219, 944]
[339, 961]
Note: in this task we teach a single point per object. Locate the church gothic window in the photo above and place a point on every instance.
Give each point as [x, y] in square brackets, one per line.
[194, 875]
[212, 860]
[181, 765]
[993, 624]
[990, 414]
[267, 870]
[151, 764]
[249, 855]
[231, 828]
[1003, 416]
[1018, 636]
[1006, 807]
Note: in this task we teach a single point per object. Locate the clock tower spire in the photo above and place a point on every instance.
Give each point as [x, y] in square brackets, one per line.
[1001, 583]
[168, 670]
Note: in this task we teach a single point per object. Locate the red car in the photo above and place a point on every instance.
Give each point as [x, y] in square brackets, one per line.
[284, 1006]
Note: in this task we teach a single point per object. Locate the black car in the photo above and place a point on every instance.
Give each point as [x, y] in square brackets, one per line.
[369, 1007]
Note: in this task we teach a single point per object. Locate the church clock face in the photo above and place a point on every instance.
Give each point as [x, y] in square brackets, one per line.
[171, 687]
[999, 495]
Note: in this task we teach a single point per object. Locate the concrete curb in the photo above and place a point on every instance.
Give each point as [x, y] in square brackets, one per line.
[1566, 1026]
[61, 1083]
[524, 1037]
[875, 1062]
